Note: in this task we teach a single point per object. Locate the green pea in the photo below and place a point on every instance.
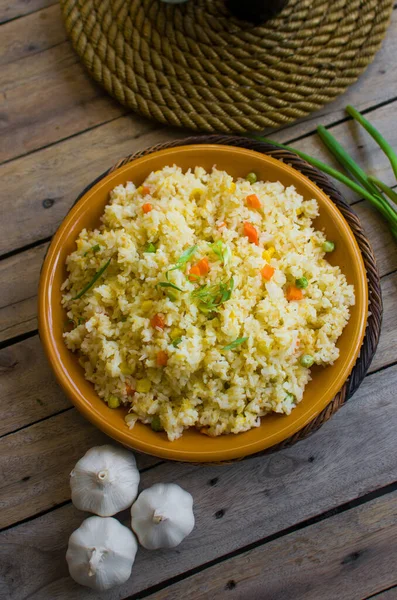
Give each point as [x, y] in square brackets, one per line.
[252, 178]
[307, 360]
[113, 402]
[150, 248]
[302, 282]
[156, 423]
[328, 246]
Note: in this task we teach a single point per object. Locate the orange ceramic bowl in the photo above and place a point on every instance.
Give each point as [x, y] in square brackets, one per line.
[193, 446]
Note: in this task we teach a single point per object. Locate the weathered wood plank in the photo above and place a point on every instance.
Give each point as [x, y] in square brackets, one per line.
[390, 594]
[72, 102]
[347, 556]
[59, 173]
[35, 464]
[29, 391]
[32, 34]
[386, 353]
[19, 274]
[348, 457]
[11, 9]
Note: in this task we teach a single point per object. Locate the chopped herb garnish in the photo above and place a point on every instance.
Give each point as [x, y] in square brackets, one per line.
[168, 284]
[176, 342]
[184, 258]
[81, 321]
[222, 251]
[212, 296]
[150, 248]
[236, 343]
[94, 249]
[89, 285]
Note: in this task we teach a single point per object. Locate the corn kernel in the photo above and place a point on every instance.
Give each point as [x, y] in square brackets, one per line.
[176, 333]
[263, 348]
[196, 194]
[269, 253]
[125, 369]
[299, 210]
[143, 386]
[232, 187]
[147, 305]
[140, 189]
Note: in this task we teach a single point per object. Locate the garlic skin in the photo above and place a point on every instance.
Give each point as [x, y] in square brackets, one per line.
[105, 480]
[162, 516]
[101, 553]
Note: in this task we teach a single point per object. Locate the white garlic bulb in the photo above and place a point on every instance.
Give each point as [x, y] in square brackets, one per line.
[101, 553]
[105, 481]
[162, 516]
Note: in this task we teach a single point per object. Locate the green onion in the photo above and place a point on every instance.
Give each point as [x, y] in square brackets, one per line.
[211, 297]
[328, 246]
[96, 248]
[150, 248]
[89, 285]
[172, 295]
[384, 188]
[168, 284]
[113, 402]
[379, 139]
[302, 282]
[176, 342]
[184, 258]
[306, 360]
[222, 251]
[252, 177]
[156, 423]
[236, 343]
[81, 321]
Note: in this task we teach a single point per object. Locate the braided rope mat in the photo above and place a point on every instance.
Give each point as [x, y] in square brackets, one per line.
[374, 322]
[194, 65]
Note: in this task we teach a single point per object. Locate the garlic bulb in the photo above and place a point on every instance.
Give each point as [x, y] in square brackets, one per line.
[101, 553]
[162, 516]
[105, 481]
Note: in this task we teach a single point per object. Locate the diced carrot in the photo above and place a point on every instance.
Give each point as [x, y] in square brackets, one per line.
[157, 321]
[194, 273]
[147, 207]
[145, 190]
[294, 293]
[267, 272]
[251, 233]
[221, 225]
[253, 201]
[162, 358]
[129, 390]
[204, 266]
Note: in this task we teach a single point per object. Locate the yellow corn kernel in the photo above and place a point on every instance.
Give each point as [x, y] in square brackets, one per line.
[140, 189]
[299, 210]
[196, 194]
[263, 348]
[232, 187]
[147, 305]
[232, 315]
[269, 253]
[176, 333]
[125, 369]
[143, 386]
[113, 402]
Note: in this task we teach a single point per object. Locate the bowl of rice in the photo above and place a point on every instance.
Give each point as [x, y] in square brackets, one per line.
[203, 303]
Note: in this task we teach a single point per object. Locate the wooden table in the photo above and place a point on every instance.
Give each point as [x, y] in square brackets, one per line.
[317, 521]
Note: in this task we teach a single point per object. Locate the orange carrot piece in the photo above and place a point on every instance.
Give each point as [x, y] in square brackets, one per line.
[194, 273]
[145, 190]
[294, 293]
[204, 266]
[147, 207]
[267, 272]
[251, 233]
[157, 321]
[162, 358]
[221, 225]
[253, 201]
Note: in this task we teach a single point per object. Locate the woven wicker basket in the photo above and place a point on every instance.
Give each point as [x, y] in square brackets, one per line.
[371, 338]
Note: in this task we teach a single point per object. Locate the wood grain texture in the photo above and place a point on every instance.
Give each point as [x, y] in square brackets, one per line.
[235, 505]
[35, 464]
[348, 556]
[35, 33]
[390, 594]
[12, 9]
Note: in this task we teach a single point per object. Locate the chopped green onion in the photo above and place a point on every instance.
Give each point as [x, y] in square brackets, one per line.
[168, 284]
[236, 343]
[302, 282]
[176, 342]
[328, 246]
[184, 258]
[252, 177]
[150, 248]
[306, 360]
[89, 285]
[96, 248]
[222, 251]
[156, 424]
[81, 321]
[113, 402]
[172, 295]
[211, 297]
